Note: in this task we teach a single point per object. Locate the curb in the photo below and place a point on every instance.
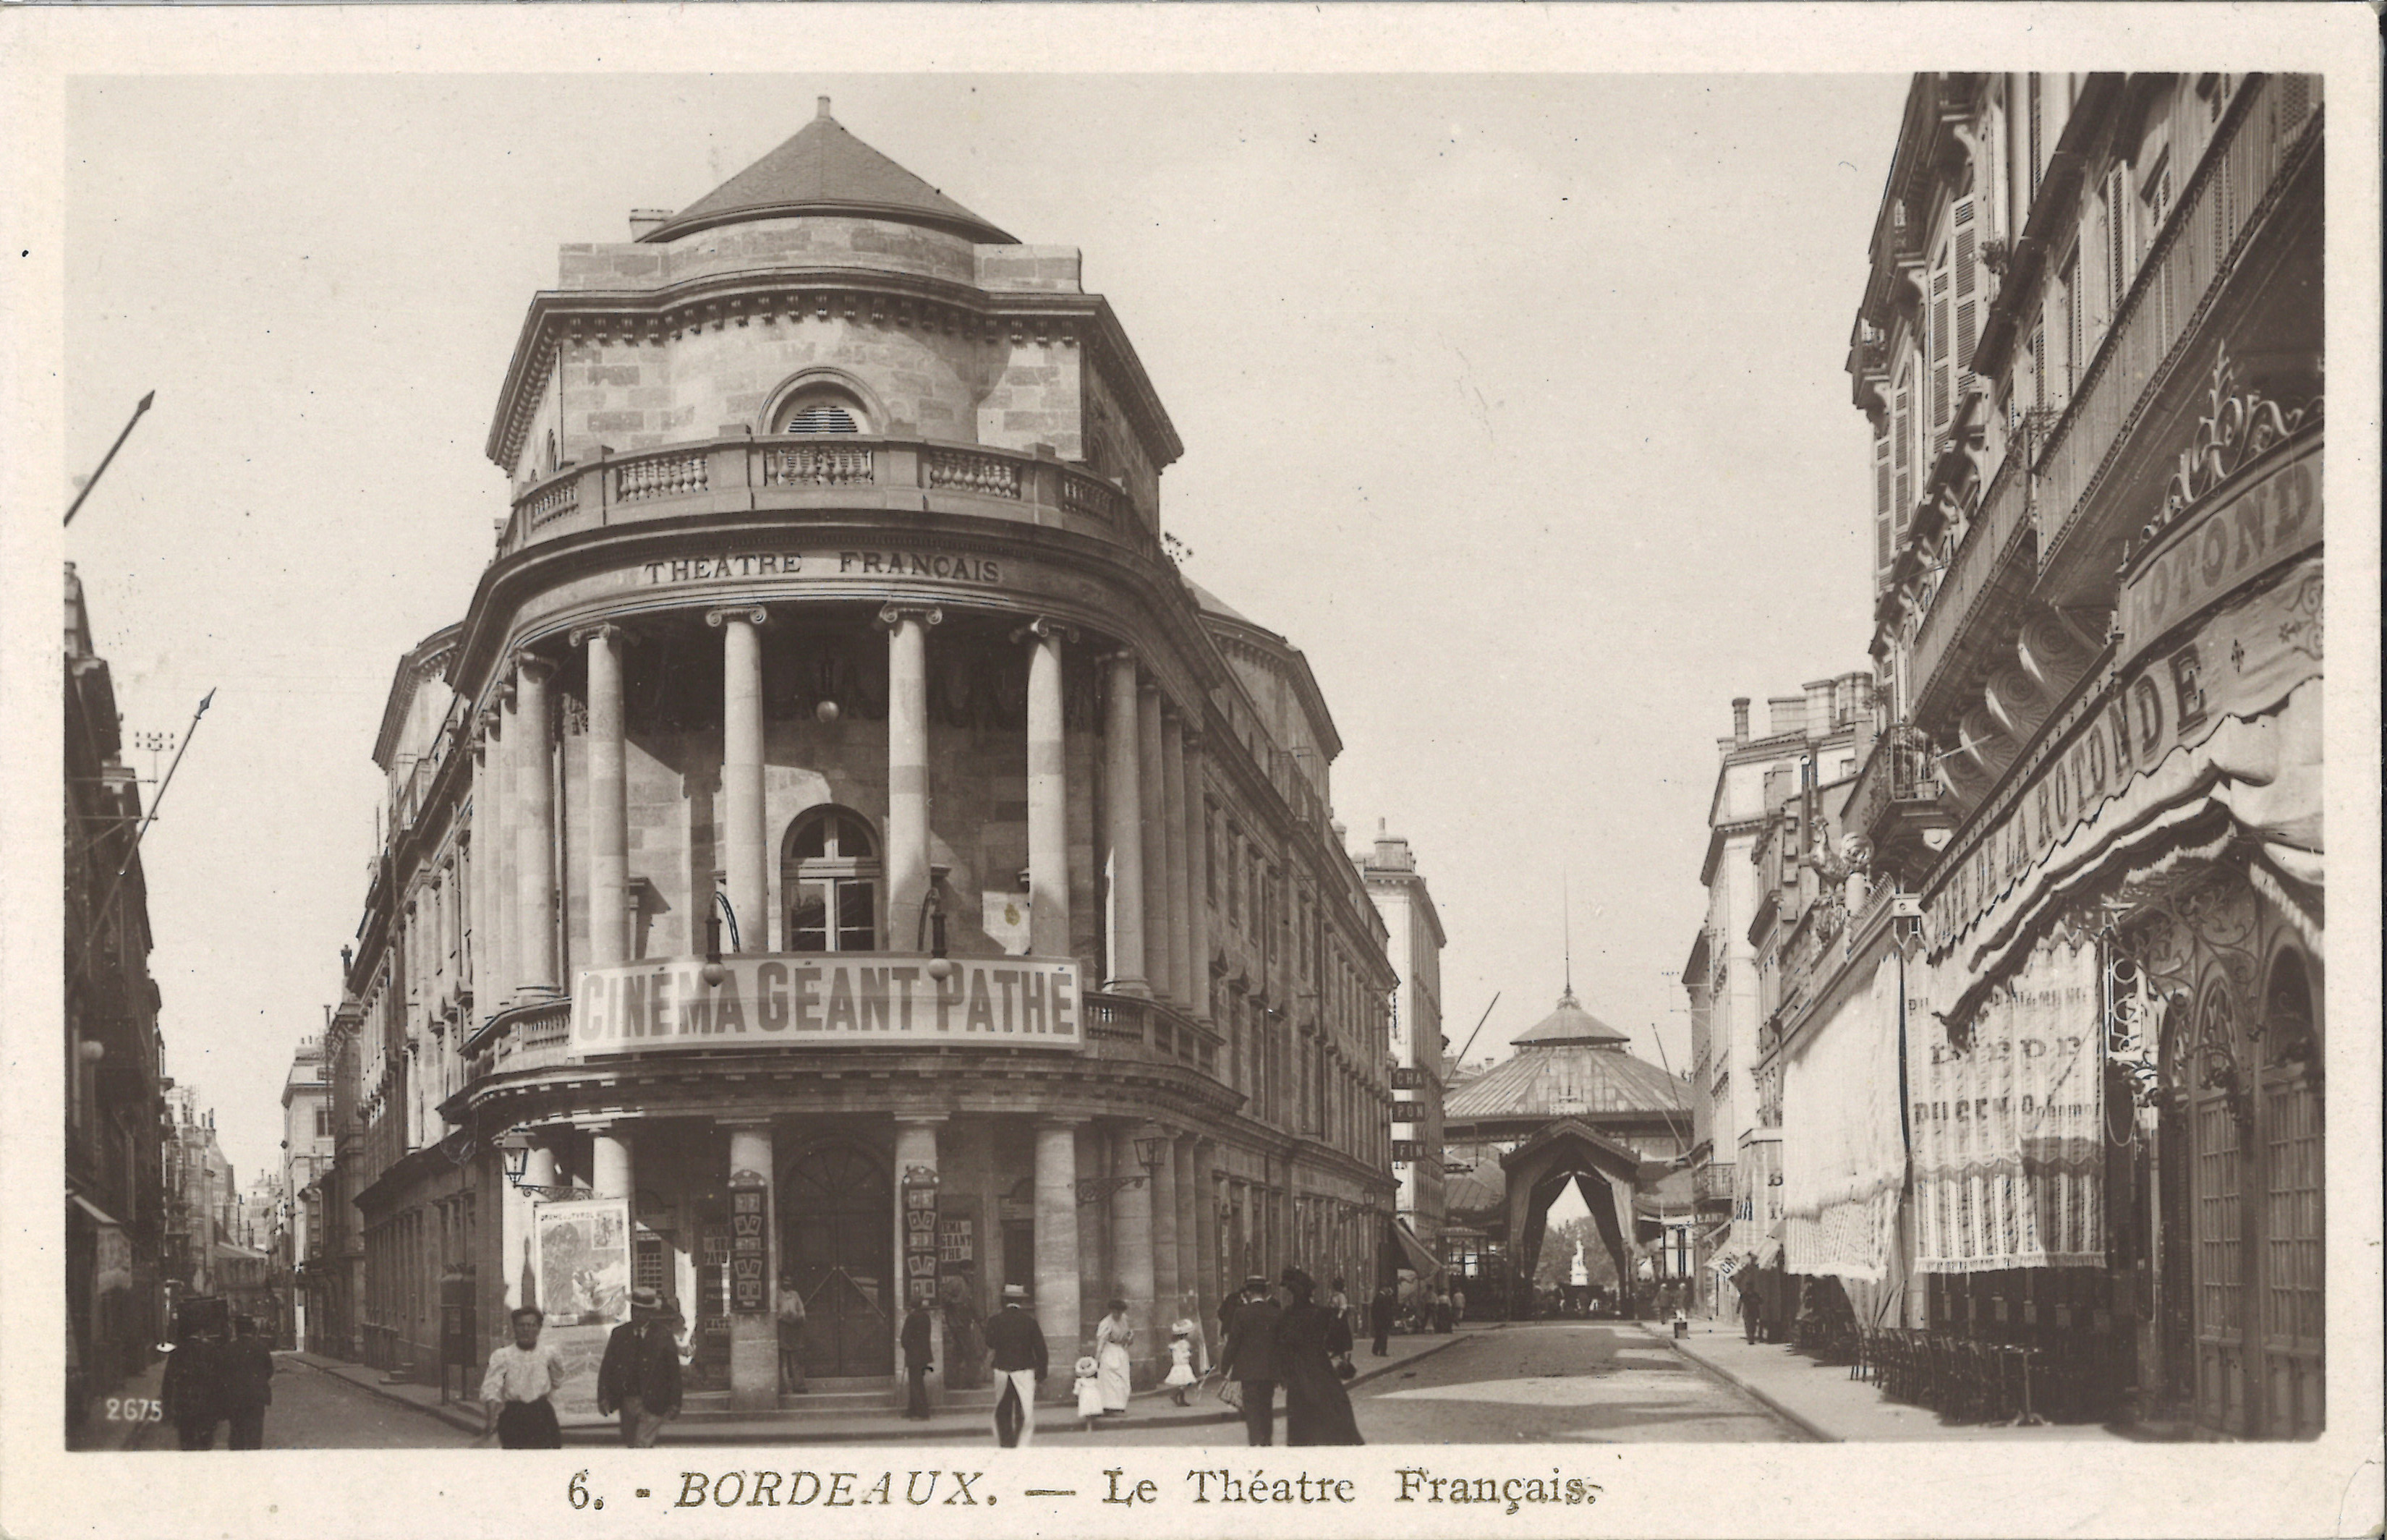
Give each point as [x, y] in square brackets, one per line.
[749, 1433]
[1814, 1431]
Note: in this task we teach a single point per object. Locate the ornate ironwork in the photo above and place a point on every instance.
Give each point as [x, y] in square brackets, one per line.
[2207, 927]
[1093, 1190]
[2241, 425]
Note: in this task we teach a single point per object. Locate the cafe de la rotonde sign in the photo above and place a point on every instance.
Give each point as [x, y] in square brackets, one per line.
[825, 1000]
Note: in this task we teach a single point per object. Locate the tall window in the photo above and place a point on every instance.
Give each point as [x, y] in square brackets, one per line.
[830, 878]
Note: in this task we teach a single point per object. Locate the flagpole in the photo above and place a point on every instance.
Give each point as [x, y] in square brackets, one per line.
[139, 408]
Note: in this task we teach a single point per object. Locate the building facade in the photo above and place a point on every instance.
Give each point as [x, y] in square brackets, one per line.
[115, 1190]
[1413, 943]
[837, 834]
[2090, 937]
[308, 1147]
[1767, 845]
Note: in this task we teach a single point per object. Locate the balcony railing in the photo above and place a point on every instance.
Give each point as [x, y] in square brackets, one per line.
[2045, 486]
[745, 473]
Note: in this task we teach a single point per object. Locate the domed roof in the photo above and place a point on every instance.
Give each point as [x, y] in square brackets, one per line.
[1570, 1023]
[1569, 1064]
[825, 169]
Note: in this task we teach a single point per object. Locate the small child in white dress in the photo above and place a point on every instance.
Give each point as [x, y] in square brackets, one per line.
[1089, 1388]
[1180, 1361]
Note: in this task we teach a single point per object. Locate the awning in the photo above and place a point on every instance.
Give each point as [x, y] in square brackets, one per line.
[1425, 1261]
[97, 1215]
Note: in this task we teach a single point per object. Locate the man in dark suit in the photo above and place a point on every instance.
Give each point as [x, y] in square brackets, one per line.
[1250, 1358]
[1015, 1346]
[248, 1385]
[639, 1375]
[918, 1359]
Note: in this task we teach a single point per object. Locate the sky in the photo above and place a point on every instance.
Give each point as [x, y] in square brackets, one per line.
[1515, 402]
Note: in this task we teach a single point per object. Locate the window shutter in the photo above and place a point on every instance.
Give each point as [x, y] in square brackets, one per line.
[1938, 343]
[2039, 364]
[2034, 136]
[1968, 294]
[1901, 437]
[2117, 214]
[1881, 505]
[2072, 323]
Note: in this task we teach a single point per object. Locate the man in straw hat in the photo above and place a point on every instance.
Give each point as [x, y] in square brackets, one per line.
[640, 1376]
[1015, 1346]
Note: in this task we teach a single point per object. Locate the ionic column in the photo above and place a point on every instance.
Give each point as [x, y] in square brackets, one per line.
[907, 762]
[1204, 1184]
[1164, 1244]
[1056, 1230]
[1151, 787]
[916, 1145]
[612, 1171]
[1132, 1233]
[743, 854]
[609, 808]
[1188, 1185]
[1172, 812]
[505, 813]
[753, 1335]
[1197, 879]
[1123, 829]
[1048, 796]
[535, 840]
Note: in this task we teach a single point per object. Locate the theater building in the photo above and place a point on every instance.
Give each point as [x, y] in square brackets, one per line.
[2088, 939]
[838, 833]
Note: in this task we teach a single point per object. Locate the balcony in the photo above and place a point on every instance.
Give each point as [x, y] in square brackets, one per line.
[1899, 801]
[840, 474]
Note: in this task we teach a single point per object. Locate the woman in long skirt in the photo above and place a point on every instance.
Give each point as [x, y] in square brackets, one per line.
[1316, 1408]
[1112, 1338]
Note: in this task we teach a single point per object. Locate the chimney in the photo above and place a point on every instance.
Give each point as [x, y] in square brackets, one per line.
[823, 109]
[1819, 707]
[645, 221]
[1784, 713]
[1856, 693]
[1740, 719]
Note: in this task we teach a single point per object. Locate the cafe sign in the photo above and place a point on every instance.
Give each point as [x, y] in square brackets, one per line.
[813, 1001]
[2241, 662]
[2269, 519]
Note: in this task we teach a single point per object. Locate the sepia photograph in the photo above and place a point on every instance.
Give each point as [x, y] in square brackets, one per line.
[927, 757]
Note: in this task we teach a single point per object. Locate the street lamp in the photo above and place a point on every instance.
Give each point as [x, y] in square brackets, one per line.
[932, 925]
[514, 1145]
[715, 974]
[1148, 1148]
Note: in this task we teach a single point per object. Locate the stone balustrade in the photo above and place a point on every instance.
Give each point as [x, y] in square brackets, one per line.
[743, 473]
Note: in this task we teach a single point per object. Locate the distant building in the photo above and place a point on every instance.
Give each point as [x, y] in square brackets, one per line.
[1767, 843]
[1413, 943]
[115, 1192]
[308, 1148]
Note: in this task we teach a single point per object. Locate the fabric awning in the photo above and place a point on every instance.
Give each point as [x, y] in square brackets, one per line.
[96, 1214]
[1425, 1261]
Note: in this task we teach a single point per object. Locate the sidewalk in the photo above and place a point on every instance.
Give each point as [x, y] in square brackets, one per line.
[1824, 1402]
[1149, 1408]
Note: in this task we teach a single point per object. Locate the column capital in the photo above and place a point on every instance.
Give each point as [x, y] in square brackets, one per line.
[894, 613]
[1064, 1120]
[532, 666]
[753, 614]
[1046, 628]
[603, 630]
[1121, 654]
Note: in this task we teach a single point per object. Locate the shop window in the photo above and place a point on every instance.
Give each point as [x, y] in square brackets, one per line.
[830, 874]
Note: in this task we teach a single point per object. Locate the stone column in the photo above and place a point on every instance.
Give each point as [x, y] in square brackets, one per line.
[609, 871]
[1197, 877]
[754, 1339]
[1056, 1241]
[908, 764]
[1123, 828]
[535, 839]
[1151, 790]
[1164, 1244]
[505, 813]
[1132, 1233]
[916, 1145]
[612, 1171]
[1172, 813]
[743, 855]
[1189, 1185]
[1204, 1181]
[1048, 796]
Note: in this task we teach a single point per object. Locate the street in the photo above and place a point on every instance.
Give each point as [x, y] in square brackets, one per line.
[1573, 1381]
[313, 1410]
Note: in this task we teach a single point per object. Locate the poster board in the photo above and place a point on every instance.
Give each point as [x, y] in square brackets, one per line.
[583, 1286]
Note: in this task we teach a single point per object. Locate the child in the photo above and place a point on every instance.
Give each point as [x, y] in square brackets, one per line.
[1181, 1360]
[1090, 1395]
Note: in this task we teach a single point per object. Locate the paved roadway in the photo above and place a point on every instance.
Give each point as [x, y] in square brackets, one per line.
[1549, 1381]
[314, 1410]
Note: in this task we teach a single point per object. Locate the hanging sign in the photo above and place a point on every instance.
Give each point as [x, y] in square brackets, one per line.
[809, 999]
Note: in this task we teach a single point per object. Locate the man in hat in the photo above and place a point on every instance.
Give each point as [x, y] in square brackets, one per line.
[640, 1376]
[1015, 1346]
[1249, 1358]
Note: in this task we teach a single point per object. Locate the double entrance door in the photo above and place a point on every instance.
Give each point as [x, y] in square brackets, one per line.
[837, 1208]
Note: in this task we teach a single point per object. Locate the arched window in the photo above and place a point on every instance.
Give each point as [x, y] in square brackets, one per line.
[822, 412]
[829, 874]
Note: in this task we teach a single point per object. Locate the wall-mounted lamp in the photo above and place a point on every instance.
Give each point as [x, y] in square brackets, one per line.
[930, 930]
[715, 974]
[515, 1146]
[1148, 1151]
